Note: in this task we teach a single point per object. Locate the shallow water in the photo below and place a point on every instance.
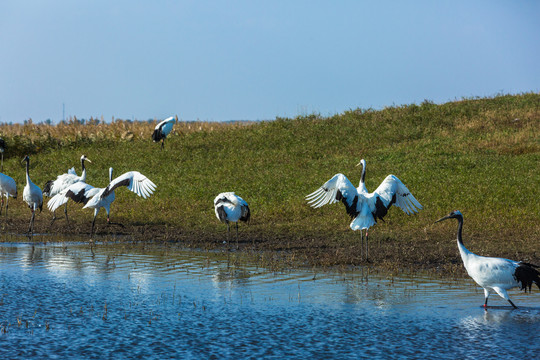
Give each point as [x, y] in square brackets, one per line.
[64, 301]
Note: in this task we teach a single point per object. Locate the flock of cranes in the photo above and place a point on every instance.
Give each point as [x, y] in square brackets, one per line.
[364, 208]
[69, 186]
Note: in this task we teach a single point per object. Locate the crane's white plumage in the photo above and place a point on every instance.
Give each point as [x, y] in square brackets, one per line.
[7, 188]
[133, 180]
[62, 182]
[230, 207]
[363, 207]
[79, 192]
[53, 187]
[494, 274]
[163, 129]
[97, 198]
[32, 195]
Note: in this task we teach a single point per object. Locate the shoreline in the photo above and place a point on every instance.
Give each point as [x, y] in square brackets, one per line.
[277, 252]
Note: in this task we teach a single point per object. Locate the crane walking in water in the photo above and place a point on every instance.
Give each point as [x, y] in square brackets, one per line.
[230, 207]
[365, 208]
[494, 274]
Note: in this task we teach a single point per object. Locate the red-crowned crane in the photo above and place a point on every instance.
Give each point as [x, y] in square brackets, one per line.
[7, 188]
[163, 129]
[494, 274]
[7, 184]
[97, 198]
[365, 208]
[230, 207]
[32, 195]
[53, 187]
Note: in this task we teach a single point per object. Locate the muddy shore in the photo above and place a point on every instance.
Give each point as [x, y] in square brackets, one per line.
[433, 252]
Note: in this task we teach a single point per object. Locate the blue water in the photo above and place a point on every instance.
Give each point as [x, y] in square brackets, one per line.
[63, 301]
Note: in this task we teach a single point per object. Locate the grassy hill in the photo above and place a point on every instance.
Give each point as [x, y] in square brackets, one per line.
[481, 156]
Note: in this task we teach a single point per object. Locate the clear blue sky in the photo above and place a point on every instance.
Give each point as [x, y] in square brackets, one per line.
[249, 60]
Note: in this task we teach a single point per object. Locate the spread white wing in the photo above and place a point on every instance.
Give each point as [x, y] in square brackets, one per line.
[403, 198]
[330, 192]
[134, 181]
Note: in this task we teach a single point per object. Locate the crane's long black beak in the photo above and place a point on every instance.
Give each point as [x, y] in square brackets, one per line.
[443, 218]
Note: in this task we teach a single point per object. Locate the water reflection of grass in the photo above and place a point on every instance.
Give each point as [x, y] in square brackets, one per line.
[477, 155]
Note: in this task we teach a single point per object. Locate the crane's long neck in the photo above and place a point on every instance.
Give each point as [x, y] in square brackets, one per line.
[27, 172]
[83, 175]
[465, 253]
[362, 185]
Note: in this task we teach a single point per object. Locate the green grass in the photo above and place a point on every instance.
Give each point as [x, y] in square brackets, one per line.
[481, 156]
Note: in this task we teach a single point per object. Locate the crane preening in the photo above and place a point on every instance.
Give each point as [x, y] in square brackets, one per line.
[230, 207]
[163, 129]
[494, 274]
[363, 207]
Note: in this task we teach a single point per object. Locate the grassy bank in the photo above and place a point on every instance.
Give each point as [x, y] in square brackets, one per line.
[481, 156]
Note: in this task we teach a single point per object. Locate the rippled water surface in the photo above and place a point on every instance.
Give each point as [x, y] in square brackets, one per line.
[64, 301]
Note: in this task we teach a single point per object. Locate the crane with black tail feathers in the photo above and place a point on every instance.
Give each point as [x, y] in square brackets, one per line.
[163, 129]
[32, 195]
[53, 187]
[363, 207]
[494, 274]
[230, 207]
[97, 198]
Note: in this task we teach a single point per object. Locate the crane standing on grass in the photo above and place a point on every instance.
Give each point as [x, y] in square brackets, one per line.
[163, 129]
[365, 208]
[494, 274]
[8, 187]
[53, 187]
[32, 195]
[97, 198]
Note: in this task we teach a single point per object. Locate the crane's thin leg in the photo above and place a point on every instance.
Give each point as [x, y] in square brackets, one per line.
[236, 224]
[361, 244]
[65, 213]
[511, 303]
[53, 218]
[228, 245]
[367, 246]
[2, 205]
[162, 144]
[7, 204]
[486, 294]
[31, 227]
[93, 223]
[228, 236]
